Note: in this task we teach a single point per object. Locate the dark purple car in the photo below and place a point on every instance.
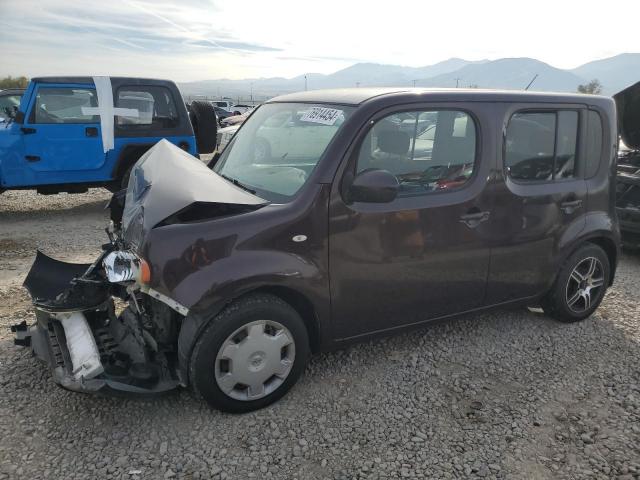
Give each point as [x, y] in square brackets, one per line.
[330, 217]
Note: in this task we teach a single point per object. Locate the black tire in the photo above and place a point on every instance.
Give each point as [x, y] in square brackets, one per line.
[252, 308]
[124, 180]
[205, 126]
[557, 303]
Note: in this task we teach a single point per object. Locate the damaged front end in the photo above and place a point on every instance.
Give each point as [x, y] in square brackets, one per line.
[104, 325]
[97, 329]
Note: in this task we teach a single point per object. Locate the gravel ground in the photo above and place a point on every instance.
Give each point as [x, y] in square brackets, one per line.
[510, 394]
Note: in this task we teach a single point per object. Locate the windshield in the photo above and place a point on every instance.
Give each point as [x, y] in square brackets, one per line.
[279, 146]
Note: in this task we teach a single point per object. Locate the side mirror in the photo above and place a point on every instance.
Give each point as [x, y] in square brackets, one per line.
[19, 117]
[374, 186]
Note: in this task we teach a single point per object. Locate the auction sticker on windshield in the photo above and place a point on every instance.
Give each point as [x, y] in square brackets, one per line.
[325, 116]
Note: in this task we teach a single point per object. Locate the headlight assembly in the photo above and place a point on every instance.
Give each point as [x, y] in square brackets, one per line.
[122, 266]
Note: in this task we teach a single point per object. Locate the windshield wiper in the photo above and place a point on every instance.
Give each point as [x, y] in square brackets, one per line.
[237, 183]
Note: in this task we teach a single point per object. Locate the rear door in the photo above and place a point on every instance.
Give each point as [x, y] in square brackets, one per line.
[541, 199]
[61, 131]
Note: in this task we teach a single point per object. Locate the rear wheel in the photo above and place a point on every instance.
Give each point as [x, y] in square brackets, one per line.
[580, 285]
[250, 355]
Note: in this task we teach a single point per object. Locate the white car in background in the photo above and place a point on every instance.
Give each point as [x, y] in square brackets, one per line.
[231, 108]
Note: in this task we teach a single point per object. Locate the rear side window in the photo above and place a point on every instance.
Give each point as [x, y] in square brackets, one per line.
[427, 151]
[593, 155]
[541, 146]
[65, 105]
[145, 107]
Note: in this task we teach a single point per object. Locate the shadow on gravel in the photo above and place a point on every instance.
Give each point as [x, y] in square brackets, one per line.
[55, 209]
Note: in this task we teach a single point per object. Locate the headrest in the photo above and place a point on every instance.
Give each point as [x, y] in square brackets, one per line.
[393, 141]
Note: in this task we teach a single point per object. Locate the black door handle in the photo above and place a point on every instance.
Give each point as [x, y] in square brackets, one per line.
[32, 158]
[570, 206]
[27, 130]
[91, 131]
[472, 220]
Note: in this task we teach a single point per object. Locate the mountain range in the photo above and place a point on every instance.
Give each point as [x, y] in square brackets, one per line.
[614, 74]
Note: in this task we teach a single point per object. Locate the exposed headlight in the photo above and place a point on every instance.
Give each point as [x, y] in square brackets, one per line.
[122, 266]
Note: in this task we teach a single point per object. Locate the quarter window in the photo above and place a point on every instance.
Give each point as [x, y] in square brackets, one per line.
[65, 105]
[146, 107]
[593, 154]
[541, 146]
[427, 151]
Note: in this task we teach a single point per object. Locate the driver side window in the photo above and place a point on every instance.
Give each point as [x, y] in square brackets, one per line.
[427, 151]
[65, 105]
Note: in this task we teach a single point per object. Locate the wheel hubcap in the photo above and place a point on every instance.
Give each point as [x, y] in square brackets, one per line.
[255, 360]
[584, 285]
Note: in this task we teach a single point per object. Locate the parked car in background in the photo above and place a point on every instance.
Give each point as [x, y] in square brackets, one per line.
[229, 106]
[628, 178]
[239, 109]
[221, 113]
[346, 230]
[234, 120]
[225, 134]
[226, 105]
[72, 133]
[9, 102]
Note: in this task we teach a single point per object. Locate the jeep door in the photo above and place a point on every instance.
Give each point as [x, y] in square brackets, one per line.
[541, 198]
[62, 136]
[426, 253]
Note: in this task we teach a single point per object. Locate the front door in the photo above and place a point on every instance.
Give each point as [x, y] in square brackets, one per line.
[61, 134]
[425, 254]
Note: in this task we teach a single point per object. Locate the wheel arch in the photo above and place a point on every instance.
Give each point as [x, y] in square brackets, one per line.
[194, 324]
[609, 247]
[129, 155]
[604, 240]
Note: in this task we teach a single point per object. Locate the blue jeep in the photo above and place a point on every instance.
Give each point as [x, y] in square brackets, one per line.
[72, 133]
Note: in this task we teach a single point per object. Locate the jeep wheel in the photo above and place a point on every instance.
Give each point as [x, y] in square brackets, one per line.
[580, 285]
[250, 355]
[205, 126]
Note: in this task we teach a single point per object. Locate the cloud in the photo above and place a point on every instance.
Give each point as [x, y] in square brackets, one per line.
[199, 39]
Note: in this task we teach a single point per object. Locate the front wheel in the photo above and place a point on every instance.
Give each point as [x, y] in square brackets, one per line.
[250, 355]
[580, 285]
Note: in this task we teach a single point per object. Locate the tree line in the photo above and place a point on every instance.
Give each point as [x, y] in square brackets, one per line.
[13, 82]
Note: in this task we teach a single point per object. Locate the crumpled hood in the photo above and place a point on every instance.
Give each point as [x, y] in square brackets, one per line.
[167, 180]
[628, 106]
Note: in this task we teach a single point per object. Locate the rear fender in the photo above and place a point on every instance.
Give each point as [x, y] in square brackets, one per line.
[602, 230]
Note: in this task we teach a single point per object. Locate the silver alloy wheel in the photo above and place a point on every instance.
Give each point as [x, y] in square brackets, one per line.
[255, 360]
[585, 282]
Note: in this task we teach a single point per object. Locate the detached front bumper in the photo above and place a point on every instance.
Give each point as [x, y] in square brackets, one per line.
[64, 342]
[77, 334]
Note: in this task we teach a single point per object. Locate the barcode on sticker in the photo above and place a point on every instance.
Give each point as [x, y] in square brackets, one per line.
[325, 116]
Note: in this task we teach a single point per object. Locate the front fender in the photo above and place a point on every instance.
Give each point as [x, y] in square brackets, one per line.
[227, 281]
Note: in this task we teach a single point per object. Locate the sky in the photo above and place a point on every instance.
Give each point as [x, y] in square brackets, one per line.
[190, 40]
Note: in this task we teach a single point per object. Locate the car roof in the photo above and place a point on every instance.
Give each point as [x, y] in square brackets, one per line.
[358, 96]
[87, 79]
